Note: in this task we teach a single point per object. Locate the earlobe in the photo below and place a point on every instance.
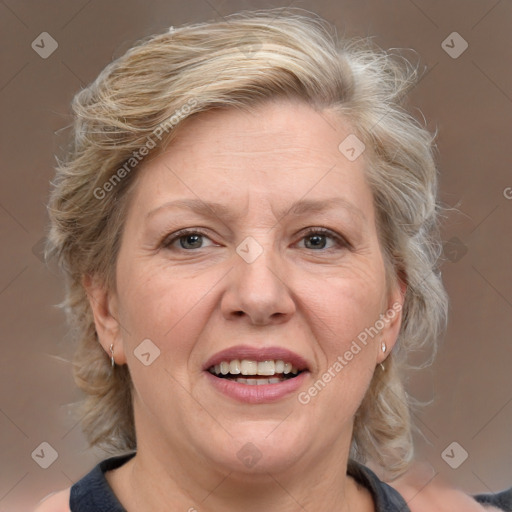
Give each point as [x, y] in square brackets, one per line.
[104, 310]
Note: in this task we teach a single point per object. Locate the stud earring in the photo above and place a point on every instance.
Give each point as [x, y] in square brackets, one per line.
[112, 361]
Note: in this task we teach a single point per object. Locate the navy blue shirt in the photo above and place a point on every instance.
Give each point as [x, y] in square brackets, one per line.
[93, 493]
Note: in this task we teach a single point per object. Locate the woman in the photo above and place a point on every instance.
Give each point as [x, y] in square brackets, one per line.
[248, 223]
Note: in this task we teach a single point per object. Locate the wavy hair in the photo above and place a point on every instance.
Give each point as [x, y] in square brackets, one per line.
[143, 98]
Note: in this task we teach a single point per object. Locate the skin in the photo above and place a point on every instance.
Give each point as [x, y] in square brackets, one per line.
[194, 302]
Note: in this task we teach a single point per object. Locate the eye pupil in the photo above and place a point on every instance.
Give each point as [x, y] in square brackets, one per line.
[318, 241]
[194, 240]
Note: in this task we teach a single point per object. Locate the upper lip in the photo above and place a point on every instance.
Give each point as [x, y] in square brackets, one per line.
[257, 354]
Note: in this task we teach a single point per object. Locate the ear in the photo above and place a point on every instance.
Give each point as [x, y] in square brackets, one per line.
[104, 307]
[392, 318]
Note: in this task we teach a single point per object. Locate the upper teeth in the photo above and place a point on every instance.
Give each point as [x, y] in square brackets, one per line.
[249, 367]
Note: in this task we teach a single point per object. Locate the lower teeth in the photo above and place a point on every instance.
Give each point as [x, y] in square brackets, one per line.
[258, 382]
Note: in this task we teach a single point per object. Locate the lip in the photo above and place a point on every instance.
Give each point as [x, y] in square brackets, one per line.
[256, 394]
[257, 354]
[263, 393]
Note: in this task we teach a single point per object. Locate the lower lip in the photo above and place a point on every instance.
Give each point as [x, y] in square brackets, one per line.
[257, 393]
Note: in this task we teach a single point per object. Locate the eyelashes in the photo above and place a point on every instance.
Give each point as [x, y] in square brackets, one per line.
[323, 233]
[183, 234]
[191, 239]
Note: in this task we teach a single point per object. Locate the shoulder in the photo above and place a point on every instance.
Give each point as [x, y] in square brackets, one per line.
[425, 492]
[56, 502]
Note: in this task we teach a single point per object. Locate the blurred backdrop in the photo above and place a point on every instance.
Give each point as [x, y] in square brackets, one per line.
[465, 93]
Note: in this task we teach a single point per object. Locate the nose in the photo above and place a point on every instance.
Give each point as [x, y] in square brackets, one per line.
[258, 291]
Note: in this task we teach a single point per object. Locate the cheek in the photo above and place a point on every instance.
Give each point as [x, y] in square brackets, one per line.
[342, 314]
[164, 309]
[343, 306]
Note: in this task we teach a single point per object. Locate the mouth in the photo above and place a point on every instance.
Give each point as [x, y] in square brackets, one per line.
[255, 373]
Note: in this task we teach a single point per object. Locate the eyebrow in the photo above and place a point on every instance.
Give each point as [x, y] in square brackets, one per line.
[300, 207]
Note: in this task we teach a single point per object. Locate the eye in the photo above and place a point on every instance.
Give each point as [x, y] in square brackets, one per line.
[187, 239]
[318, 239]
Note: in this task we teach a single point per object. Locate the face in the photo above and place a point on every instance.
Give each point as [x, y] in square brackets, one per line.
[250, 245]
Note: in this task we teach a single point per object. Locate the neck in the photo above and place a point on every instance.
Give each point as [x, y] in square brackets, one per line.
[152, 482]
[168, 473]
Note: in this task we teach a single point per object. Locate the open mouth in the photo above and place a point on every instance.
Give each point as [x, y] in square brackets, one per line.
[255, 373]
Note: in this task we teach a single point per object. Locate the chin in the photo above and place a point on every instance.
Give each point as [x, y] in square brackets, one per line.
[259, 447]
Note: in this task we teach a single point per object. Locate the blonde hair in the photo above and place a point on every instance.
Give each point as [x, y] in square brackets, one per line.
[143, 98]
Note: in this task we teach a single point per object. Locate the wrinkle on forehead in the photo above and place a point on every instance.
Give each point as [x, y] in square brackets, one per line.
[262, 162]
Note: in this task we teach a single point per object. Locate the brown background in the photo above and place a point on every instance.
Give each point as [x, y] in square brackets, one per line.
[469, 100]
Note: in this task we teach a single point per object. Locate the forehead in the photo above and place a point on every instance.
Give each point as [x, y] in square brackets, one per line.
[280, 152]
